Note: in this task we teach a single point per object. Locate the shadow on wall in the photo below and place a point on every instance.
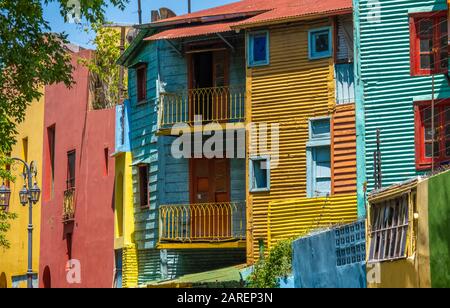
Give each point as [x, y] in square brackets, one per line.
[47, 278]
[3, 281]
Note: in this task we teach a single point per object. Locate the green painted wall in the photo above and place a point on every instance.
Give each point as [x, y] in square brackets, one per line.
[439, 229]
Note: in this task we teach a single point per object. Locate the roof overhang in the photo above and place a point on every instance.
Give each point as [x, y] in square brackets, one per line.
[270, 18]
[191, 31]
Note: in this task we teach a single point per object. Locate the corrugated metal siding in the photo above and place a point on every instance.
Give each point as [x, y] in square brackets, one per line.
[343, 144]
[289, 91]
[175, 177]
[143, 145]
[149, 265]
[130, 266]
[297, 217]
[389, 90]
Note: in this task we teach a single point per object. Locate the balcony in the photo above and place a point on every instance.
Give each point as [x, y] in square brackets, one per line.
[218, 104]
[345, 83]
[69, 206]
[221, 225]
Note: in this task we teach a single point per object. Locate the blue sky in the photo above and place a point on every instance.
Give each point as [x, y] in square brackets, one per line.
[129, 16]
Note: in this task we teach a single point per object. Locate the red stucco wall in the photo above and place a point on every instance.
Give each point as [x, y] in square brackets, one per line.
[89, 133]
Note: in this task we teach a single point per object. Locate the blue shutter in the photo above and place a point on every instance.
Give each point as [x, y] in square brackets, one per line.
[322, 172]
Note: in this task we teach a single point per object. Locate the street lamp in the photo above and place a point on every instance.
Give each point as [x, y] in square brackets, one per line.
[28, 194]
[5, 195]
[23, 195]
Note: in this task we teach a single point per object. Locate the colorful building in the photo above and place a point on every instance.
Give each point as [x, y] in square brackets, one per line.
[408, 234]
[299, 79]
[77, 213]
[14, 261]
[401, 72]
[124, 243]
[189, 212]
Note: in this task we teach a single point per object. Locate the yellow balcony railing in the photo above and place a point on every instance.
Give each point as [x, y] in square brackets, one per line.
[211, 222]
[218, 104]
[69, 205]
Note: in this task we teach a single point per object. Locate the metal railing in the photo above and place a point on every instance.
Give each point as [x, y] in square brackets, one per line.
[69, 205]
[217, 104]
[213, 222]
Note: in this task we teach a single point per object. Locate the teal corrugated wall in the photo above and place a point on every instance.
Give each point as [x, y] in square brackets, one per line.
[386, 91]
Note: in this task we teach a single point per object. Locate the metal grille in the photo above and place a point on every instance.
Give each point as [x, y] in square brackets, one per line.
[389, 227]
[202, 222]
[350, 243]
[218, 104]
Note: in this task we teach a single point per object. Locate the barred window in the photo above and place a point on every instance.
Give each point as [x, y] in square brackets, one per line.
[389, 227]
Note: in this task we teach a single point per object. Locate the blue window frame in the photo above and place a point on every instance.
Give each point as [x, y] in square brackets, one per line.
[320, 43]
[258, 48]
[259, 174]
[319, 158]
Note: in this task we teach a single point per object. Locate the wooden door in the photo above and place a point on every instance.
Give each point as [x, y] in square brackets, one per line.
[210, 197]
[221, 93]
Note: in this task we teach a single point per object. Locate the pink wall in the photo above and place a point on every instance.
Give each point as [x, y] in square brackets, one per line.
[89, 133]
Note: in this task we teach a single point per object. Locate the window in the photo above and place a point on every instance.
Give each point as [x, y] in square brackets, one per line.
[424, 137]
[141, 83]
[320, 43]
[429, 43]
[389, 222]
[71, 161]
[25, 149]
[259, 174]
[319, 158]
[143, 185]
[258, 48]
[50, 163]
[118, 270]
[106, 157]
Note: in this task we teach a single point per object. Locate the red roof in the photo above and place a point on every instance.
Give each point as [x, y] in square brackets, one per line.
[192, 31]
[262, 11]
[300, 8]
[244, 6]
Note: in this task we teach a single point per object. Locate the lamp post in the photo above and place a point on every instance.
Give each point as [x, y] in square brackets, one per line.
[29, 194]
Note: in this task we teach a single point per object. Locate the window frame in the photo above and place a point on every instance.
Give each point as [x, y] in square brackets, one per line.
[386, 229]
[414, 20]
[311, 146]
[423, 162]
[141, 84]
[314, 55]
[250, 45]
[71, 178]
[141, 185]
[252, 188]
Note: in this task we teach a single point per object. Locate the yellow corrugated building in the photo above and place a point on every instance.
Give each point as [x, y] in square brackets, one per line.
[14, 261]
[292, 88]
